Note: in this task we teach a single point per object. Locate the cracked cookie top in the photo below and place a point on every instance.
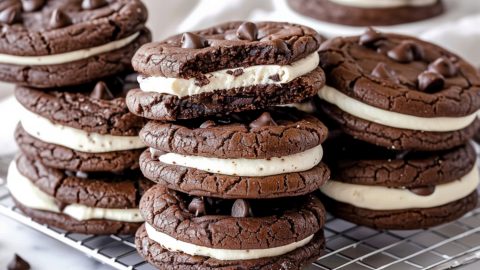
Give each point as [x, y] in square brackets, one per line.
[229, 45]
[232, 224]
[96, 107]
[46, 27]
[401, 74]
[275, 132]
[100, 190]
[361, 163]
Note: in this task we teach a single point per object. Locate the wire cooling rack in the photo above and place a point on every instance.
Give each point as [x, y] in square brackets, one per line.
[349, 247]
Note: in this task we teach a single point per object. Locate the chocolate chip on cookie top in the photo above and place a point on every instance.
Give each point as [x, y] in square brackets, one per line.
[231, 67]
[63, 42]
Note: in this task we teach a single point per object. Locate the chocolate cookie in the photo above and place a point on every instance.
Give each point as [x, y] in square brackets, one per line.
[400, 92]
[257, 154]
[77, 202]
[56, 43]
[82, 128]
[231, 67]
[229, 230]
[368, 12]
[387, 189]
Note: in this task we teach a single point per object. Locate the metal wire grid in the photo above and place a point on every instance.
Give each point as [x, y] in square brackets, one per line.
[348, 247]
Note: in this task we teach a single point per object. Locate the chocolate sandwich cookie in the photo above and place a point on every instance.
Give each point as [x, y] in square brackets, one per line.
[77, 201]
[184, 232]
[81, 128]
[53, 43]
[386, 189]
[368, 12]
[231, 67]
[400, 92]
[257, 154]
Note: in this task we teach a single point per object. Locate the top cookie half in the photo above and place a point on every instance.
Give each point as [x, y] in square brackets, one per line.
[53, 43]
[231, 67]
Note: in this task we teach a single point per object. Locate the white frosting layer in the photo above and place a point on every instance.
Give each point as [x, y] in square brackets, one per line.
[25, 192]
[173, 244]
[67, 57]
[393, 119]
[299, 162]
[76, 139]
[384, 3]
[254, 75]
[384, 198]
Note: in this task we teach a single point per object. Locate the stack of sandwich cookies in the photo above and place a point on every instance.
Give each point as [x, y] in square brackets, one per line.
[229, 68]
[368, 12]
[386, 189]
[57, 43]
[236, 168]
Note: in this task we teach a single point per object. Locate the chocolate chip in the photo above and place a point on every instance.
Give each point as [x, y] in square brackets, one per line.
[406, 52]
[93, 4]
[59, 19]
[423, 191]
[383, 71]
[207, 124]
[197, 207]
[280, 46]
[370, 37]
[9, 15]
[101, 91]
[444, 66]
[264, 120]
[193, 41]
[32, 5]
[241, 208]
[235, 73]
[247, 31]
[331, 60]
[430, 82]
[18, 263]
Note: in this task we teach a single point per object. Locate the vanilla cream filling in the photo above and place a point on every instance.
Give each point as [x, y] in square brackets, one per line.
[173, 244]
[384, 198]
[384, 3]
[393, 119]
[76, 139]
[26, 193]
[218, 80]
[299, 162]
[307, 107]
[68, 56]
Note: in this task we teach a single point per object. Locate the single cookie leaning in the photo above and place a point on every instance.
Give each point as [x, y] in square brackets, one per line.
[231, 67]
[258, 154]
[90, 204]
[82, 128]
[53, 43]
[387, 189]
[368, 12]
[400, 92]
[182, 232]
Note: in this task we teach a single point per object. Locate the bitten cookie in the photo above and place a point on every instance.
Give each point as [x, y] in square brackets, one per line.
[400, 92]
[53, 43]
[81, 128]
[387, 189]
[183, 232]
[77, 202]
[257, 154]
[368, 12]
[231, 67]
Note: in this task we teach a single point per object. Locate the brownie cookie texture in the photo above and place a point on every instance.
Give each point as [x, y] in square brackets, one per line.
[231, 67]
[59, 43]
[387, 189]
[227, 229]
[368, 12]
[399, 92]
[257, 154]
[82, 128]
[77, 201]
